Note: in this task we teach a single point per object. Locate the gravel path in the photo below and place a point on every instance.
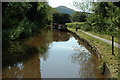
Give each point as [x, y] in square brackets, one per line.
[104, 40]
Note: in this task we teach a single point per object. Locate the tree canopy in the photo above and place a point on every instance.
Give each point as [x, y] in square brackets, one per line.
[61, 18]
[21, 19]
[79, 17]
[104, 18]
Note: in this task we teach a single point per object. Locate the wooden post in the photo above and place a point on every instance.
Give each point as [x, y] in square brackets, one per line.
[104, 67]
[112, 45]
[76, 29]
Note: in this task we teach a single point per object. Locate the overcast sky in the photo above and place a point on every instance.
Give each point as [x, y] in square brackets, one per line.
[67, 3]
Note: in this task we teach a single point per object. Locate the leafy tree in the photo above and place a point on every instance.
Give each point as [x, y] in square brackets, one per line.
[79, 17]
[21, 19]
[13, 13]
[61, 18]
[32, 12]
[104, 17]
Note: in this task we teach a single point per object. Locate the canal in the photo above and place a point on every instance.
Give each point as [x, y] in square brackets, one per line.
[59, 55]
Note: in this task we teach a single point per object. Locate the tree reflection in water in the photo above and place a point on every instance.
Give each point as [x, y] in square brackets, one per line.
[16, 52]
[87, 62]
[26, 69]
[60, 36]
[23, 60]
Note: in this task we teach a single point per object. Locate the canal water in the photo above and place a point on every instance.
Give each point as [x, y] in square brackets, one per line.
[59, 55]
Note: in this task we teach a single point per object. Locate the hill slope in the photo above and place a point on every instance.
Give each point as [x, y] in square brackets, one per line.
[63, 9]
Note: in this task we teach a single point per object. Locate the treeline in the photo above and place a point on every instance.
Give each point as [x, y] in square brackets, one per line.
[105, 18]
[20, 20]
[61, 18]
[23, 19]
[79, 16]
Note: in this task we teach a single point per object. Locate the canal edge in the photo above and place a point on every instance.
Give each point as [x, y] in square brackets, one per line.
[106, 69]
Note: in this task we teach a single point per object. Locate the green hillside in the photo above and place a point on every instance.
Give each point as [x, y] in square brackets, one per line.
[63, 9]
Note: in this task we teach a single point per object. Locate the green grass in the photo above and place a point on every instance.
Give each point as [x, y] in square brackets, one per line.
[104, 36]
[75, 24]
[105, 51]
[80, 25]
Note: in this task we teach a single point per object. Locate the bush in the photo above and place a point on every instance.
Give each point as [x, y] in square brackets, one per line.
[86, 27]
[75, 25]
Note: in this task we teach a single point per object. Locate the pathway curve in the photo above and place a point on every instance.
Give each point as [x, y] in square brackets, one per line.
[104, 40]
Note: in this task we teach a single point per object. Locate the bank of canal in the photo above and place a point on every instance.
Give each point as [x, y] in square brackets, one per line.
[63, 56]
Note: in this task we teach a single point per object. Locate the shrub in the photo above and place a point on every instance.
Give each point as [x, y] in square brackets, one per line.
[75, 25]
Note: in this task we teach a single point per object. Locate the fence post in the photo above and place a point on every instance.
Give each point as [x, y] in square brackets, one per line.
[113, 45]
[76, 29]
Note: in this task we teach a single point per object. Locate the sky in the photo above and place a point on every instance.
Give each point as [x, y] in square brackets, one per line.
[67, 3]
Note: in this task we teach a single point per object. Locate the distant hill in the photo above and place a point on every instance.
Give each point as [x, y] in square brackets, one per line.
[63, 9]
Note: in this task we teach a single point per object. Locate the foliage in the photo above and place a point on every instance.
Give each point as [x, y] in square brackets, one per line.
[13, 13]
[14, 52]
[61, 18]
[83, 6]
[79, 17]
[104, 18]
[105, 50]
[75, 25]
[65, 10]
[23, 19]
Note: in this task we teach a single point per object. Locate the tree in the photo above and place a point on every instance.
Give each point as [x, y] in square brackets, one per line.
[21, 19]
[104, 17]
[13, 13]
[83, 5]
[79, 17]
[61, 18]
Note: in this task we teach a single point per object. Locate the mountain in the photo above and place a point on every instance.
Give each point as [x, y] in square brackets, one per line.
[63, 9]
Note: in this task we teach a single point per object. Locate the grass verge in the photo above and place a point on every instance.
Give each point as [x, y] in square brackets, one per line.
[105, 51]
[104, 36]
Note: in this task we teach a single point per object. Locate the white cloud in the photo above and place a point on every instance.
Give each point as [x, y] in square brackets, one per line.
[67, 3]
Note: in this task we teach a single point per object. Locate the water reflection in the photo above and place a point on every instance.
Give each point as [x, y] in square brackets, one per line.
[59, 55]
[60, 36]
[69, 60]
[15, 52]
[20, 59]
[87, 64]
[26, 69]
